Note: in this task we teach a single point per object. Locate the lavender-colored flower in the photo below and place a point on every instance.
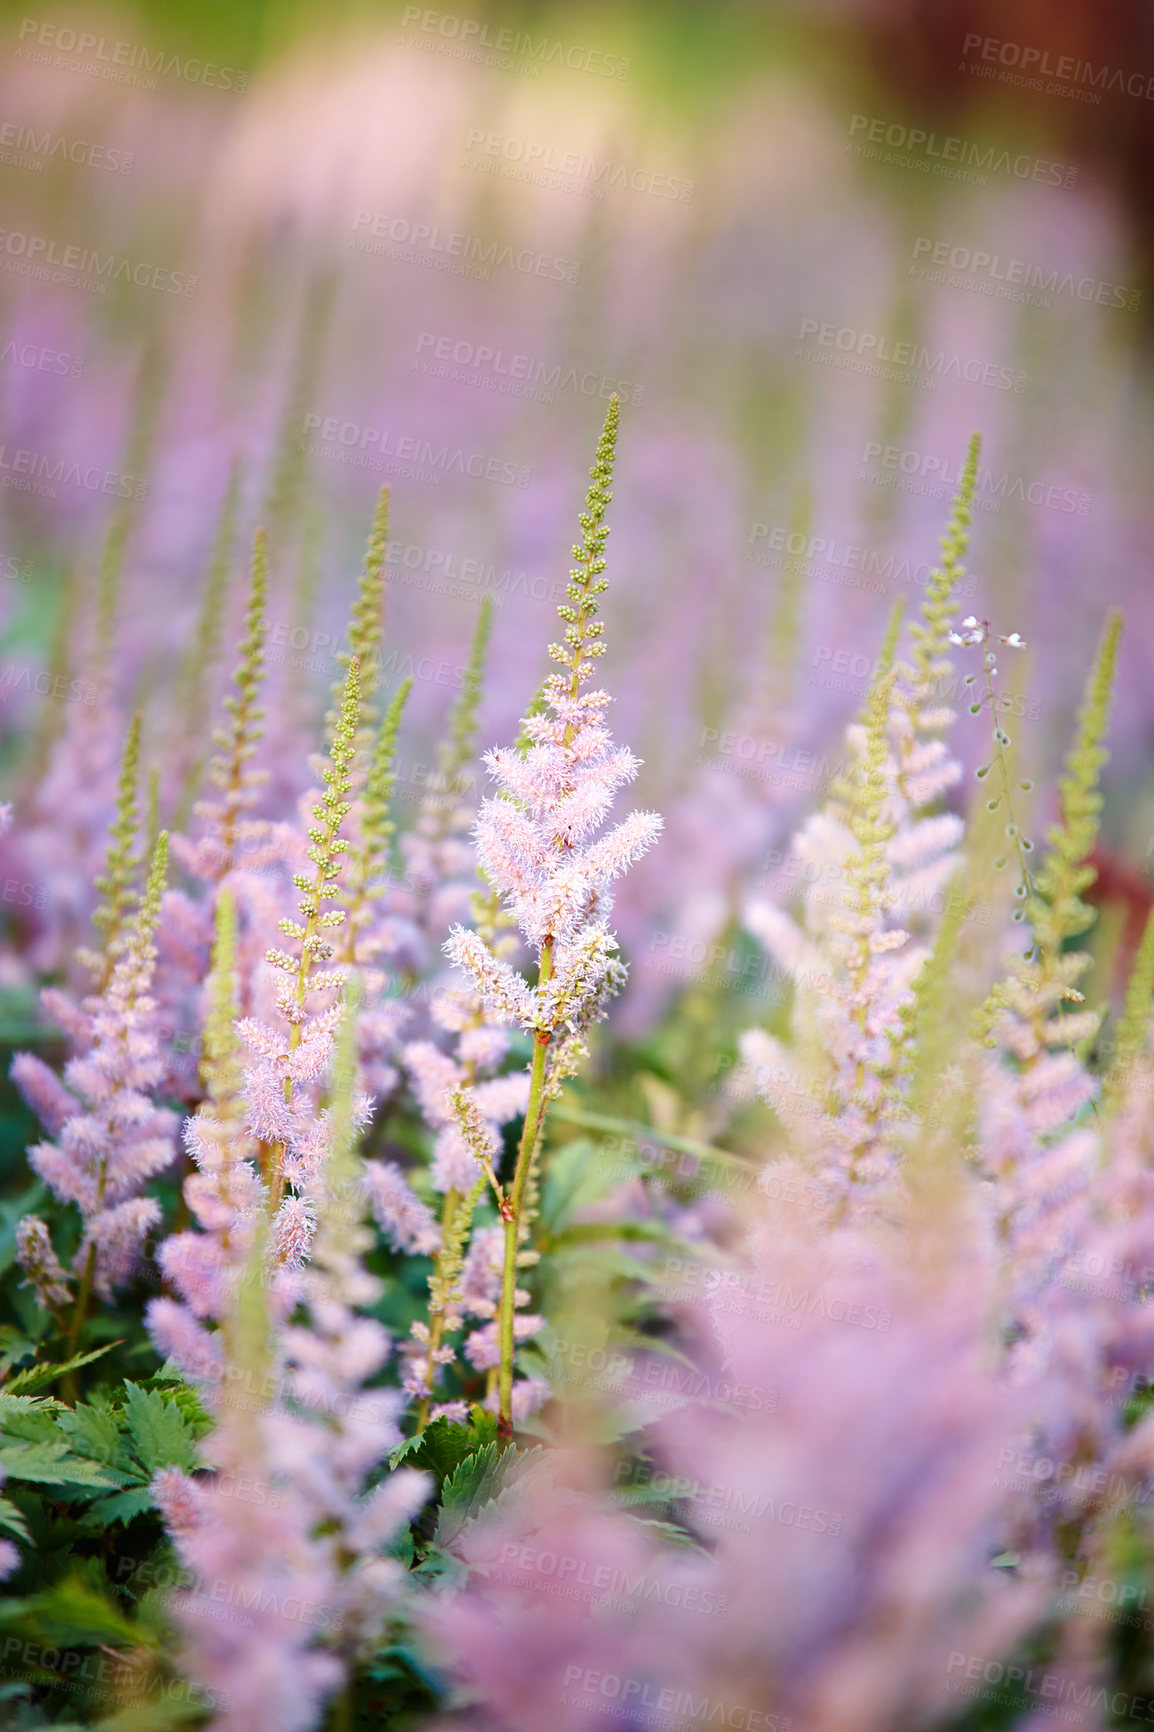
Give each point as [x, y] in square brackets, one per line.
[116, 1137]
[538, 846]
[309, 1586]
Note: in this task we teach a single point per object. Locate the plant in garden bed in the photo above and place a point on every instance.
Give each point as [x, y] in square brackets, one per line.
[537, 846]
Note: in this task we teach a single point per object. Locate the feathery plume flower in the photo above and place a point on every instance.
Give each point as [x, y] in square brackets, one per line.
[307, 1552]
[117, 882]
[365, 631]
[880, 853]
[224, 1194]
[115, 1138]
[537, 845]
[1035, 1084]
[231, 838]
[39, 1261]
[284, 1066]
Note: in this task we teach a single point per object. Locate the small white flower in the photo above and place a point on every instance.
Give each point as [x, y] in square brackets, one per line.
[1014, 640]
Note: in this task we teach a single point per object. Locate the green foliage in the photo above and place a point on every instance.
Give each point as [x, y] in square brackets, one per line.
[442, 1446]
[38, 1377]
[160, 1433]
[115, 1447]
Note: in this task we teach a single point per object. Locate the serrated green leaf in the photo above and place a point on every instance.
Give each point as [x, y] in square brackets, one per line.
[440, 1447]
[28, 1421]
[407, 1447]
[161, 1434]
[188, 1404]
[94, 1433]
[169, 1372]
[12, 1521]
[122, 1506]
[469, 1487]
[51, 1463]
[40, 1376]
[14, 1346]
[76, 1612]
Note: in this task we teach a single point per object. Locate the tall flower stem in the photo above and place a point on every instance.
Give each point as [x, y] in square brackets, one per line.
[139, 949]
[531, 1130]
[325, 853]
[534, 847]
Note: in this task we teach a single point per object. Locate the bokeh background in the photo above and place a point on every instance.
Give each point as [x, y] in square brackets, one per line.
[257, 260]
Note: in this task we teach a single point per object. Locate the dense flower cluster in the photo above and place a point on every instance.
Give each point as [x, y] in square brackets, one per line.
[810, 1401]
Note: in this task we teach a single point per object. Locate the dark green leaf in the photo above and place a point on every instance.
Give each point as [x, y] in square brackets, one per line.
[40, 1376]
[52, 1464]
[160, 1432]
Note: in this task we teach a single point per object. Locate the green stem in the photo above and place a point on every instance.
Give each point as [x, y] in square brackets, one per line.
[69, 1388]
[534, 1118]
[437, 1318]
